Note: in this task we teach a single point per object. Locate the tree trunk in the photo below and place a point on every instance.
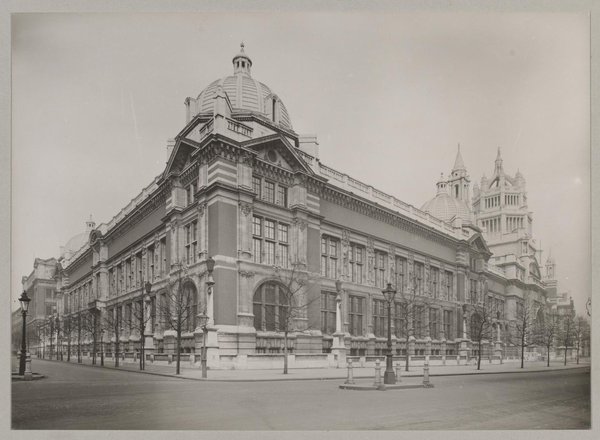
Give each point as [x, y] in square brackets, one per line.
[548, 355]
[577, 352]
[565, 354]
[116, 353]
[406, 358]
[177, 367]
[479, 355]
[285, 352]
[522, 348]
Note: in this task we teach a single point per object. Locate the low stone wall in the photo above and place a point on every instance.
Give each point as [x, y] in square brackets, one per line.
[275, 361]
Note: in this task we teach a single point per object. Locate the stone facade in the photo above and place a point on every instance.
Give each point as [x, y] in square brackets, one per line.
[243, 189]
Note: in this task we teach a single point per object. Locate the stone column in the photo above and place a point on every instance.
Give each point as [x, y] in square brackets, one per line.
[245, 230]
[339, 346]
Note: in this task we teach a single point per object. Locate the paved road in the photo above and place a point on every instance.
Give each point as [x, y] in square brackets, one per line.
[79, 397]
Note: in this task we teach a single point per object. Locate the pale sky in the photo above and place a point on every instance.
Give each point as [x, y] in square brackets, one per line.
[96, 96]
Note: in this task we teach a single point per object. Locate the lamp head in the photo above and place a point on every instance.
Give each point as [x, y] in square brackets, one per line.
[24, 300]
[148, 286]
[338, 285]
[389, 293]
[210, 264]
[203, 319]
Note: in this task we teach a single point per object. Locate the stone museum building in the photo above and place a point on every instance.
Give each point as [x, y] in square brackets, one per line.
[242, 189]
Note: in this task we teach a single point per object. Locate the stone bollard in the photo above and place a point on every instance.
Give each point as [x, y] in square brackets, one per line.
[28, 375]
[426, 383]
[377, 382]
[350, 378]
[398, 371]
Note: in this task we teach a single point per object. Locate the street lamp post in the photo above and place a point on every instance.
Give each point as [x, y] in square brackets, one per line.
[389, 377]
[203, 321]
[147, 288]
[58, 341]
[210, 282]
[24, 300]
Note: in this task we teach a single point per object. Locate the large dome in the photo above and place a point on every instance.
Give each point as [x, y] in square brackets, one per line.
[245, 94]
[78, 241]
[446, 208]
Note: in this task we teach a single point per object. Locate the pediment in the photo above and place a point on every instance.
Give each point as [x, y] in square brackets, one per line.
[180, 158]
[277, 150]
[477, 241]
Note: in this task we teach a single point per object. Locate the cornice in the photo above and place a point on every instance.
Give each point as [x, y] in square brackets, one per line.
[367, 208]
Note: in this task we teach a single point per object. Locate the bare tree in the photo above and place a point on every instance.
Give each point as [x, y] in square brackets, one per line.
[67, 334]
[481, 322]
[138, 319]
[178, 308]
[546, 331]
[90, 326]
[296, 283]
[566, 332]
[408, 312]
[112, 322]
[523, 325]
[579, 331]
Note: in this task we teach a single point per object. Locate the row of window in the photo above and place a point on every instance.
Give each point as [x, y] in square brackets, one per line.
[269, 191]
[356, 318]
[330, 251]
[130, 273]
[128, 315]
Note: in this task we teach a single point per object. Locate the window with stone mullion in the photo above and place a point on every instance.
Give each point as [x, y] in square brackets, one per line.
[379, 318]
[328, 309]
[380, 269]
[399, 319]
[356, 263]
[329, 256]
[356, 314]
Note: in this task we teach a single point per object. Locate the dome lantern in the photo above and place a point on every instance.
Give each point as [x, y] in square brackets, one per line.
[241, 62]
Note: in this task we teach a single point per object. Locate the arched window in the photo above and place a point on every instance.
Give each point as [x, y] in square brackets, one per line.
[270, 307]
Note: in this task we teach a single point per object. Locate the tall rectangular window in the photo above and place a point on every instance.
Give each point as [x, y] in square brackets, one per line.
[448, 325]
[329, 256]
[256, 186]
[449, 284]
[191, 242]
[473, 291]
[435, 281]
[356, 263]
[433, 323]
[380, 269]
[128, 283]
[328, 306]
[282, 195]
[418, 321]
[419, 274]
[163, 254]
[269, 194]
[151, 263]
[400, 315]
[282, 246]
[356, 314]
[400, 271]
[380, 318]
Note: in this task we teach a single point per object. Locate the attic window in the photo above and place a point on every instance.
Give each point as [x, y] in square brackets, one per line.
[274, 104]
[243, 64]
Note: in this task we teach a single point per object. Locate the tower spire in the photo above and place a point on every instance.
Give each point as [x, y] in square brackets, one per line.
[458, 162]
[498, 162]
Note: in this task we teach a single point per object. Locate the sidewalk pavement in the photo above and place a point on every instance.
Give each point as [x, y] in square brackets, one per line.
[190, 373]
